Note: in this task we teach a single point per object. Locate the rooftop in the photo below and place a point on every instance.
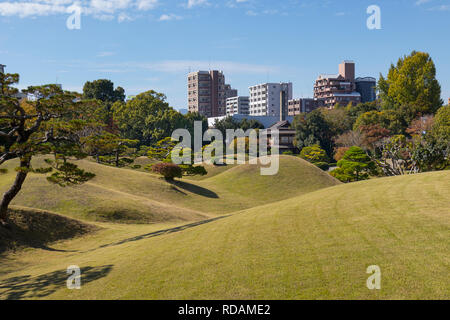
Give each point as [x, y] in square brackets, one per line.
[329, 76]
[371, 79]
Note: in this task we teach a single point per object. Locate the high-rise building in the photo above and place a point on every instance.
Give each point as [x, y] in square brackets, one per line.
[238, 105]
[207, 93]
[331, 89]
[302, 105]
[270, 99]
[367, 88]
[230, 92]
[2, 68]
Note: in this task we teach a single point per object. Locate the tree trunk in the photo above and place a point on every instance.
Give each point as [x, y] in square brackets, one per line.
[117, 158]
[9, 195]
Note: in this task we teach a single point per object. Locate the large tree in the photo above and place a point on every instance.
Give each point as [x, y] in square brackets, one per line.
[412, 86]
[313, 129]
[149, 118]
[52, 124]
[103, 90]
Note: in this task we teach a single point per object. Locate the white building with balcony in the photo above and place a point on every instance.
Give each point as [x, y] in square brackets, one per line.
[238, 105]
[265, 99]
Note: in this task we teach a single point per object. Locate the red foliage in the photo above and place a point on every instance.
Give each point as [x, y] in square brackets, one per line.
[373, 134]
[340, 152]
[168, 170]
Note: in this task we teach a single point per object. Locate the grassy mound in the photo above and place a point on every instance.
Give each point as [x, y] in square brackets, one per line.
[295, 177]
[127, 196]
[37, 228]
[313, 246]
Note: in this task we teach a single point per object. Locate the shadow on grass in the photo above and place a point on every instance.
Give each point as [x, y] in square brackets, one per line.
[37, 229]
[27, 287]
[193, 189]
[161, 232]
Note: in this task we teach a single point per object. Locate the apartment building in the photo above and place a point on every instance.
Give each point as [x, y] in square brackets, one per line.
[238, 105]
[2, 68]
[366, 86]
[267, 99]
[303, 105]
[230, 92]
[331, 89]
[207, 93]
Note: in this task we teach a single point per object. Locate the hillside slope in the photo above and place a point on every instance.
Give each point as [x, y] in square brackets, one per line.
[313, 246]
[37, 228]
[124, 195]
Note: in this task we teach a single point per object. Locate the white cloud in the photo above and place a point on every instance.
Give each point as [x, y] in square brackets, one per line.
[26, 9]
[124, 17]
[168, 17]
[420, 2]
[195, 3]
[146, 4]
[99, 9]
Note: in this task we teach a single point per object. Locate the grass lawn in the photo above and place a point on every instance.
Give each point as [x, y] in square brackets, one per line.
[123, 195]
[314, 245]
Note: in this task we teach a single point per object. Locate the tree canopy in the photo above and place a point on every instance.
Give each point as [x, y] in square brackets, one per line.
[355, 165]
[412, 83]
[313, 129]
[103, 90]
[54, 123]
[148, 118]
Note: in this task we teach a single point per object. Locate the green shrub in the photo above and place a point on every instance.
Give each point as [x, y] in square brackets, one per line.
[314, 154]
[355, 165]
[322, 165]
[190, 170]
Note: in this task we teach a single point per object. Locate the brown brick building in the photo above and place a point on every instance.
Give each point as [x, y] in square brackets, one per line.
[302, 105]
[331, 89]
[207, 93]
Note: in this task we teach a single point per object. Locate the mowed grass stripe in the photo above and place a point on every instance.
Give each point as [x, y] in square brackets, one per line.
[314, 246]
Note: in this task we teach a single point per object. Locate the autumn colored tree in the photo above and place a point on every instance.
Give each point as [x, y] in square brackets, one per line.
[373, 134]
[340, 152]
[169, 171]
[314, 154]
[411, 85]
[420, 126]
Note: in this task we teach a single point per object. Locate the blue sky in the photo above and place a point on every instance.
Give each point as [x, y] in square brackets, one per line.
[152, 44]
